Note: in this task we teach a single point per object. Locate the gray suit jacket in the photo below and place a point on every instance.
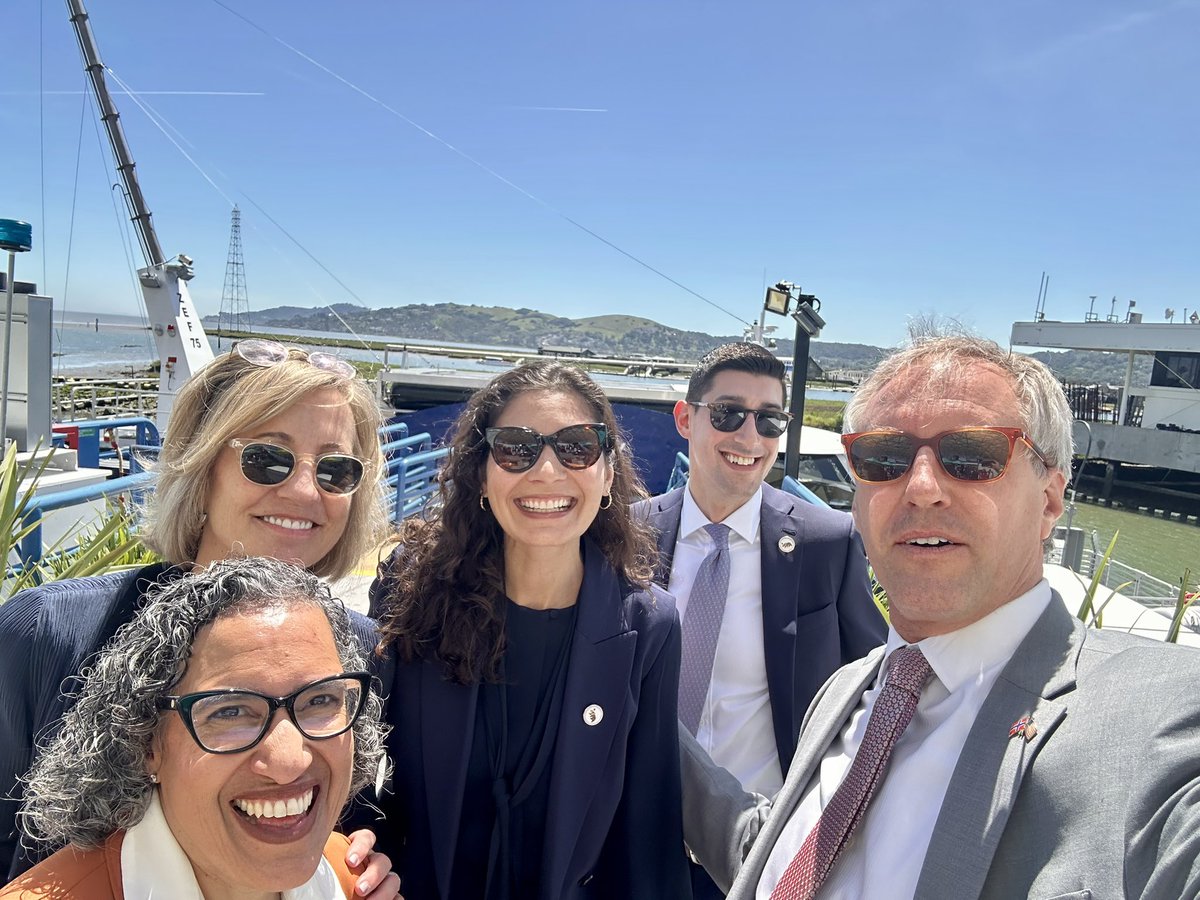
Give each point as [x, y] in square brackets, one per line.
[1103, 802]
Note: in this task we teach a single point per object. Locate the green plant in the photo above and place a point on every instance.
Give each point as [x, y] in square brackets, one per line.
[1182, 603]
[1089, 597]
[879, 595]
[99, 546]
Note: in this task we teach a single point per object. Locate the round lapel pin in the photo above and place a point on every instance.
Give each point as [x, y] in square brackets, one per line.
[787, 543]
[593, 715]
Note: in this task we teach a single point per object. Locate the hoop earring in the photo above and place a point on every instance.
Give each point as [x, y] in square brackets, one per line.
[482, 499]
[604, 505]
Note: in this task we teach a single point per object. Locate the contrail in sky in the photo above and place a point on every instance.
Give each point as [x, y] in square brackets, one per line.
[560, 108]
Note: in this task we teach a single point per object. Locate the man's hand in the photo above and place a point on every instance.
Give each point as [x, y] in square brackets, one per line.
[376, 879]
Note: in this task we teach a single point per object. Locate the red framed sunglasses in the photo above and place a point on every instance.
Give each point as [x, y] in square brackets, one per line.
[977, 454]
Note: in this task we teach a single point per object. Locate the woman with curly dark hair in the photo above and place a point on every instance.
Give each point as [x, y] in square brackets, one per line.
[532, 664]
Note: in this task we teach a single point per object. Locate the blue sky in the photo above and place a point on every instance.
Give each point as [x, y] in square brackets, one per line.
[895, 158]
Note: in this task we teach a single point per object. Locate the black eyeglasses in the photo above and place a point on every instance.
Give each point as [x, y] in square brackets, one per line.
[978, 454]
[233, 721]
[516, 449]
[272, 353]
[771, 423]
[270, 464]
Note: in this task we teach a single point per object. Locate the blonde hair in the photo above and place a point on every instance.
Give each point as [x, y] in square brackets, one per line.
[223, 400]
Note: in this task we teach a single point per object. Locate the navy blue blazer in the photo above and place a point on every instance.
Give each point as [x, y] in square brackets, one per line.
[614, 823]
[47, 634]
[818, 613]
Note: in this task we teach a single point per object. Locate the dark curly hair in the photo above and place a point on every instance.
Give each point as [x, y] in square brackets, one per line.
[443, 590]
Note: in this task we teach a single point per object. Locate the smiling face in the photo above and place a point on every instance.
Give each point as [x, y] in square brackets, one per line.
[726, 468]
[949, 552]
[204, 794]
[548, 506]
[294, 521]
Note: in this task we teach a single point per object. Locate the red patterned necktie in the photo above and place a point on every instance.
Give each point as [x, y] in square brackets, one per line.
[908, 670]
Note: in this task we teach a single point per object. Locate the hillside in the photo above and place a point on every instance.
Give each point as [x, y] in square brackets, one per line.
[617, 336]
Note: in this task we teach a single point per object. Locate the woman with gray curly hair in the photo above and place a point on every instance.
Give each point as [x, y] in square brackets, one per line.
[271, 451]
[212, 748]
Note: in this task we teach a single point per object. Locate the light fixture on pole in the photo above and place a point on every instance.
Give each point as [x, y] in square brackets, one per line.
[15, 237]
[808, 325]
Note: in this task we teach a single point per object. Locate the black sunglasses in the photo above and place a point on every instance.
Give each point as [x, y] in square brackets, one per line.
[978, 453]
[771, 423]
[233, 721]
[516, 449]
[270, 464]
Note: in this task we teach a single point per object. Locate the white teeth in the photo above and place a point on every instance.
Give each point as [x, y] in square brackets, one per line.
[293, 524]
[547, 505]
[930, 541]
[276, 809]
[739, 460]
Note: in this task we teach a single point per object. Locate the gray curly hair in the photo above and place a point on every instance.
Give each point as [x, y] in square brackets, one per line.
[92, 780]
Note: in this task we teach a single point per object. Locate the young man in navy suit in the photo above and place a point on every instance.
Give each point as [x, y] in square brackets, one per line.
[798, 604]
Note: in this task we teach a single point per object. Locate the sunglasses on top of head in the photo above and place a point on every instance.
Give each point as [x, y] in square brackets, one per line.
[978, 454]
[728, 417]
[272, 353]
[269, 464]
[517, 449]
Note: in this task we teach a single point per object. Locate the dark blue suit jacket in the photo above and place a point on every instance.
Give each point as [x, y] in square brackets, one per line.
[47, 634]
[614, 825]
[818, 613]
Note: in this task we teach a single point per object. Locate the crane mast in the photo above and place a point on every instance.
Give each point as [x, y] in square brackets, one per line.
[179, 336]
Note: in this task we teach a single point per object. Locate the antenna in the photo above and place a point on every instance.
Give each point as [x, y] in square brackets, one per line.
[1169, 314]
[1112, 310]
[1091, 313]
[1039, 311]
[235, 307]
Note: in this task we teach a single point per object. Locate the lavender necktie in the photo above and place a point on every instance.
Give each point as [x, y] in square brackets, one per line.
[702, 627]
[908, 670]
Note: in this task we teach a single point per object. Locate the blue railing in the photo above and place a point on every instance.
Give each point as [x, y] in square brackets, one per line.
[679, 477]
[31, 544]
[679, 474]
[413, 465]
[412, 471]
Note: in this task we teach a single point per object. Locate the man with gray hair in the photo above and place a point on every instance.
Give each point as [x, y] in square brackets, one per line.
[994, 747]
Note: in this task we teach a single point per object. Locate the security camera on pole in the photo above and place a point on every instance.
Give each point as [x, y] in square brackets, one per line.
[808, 325]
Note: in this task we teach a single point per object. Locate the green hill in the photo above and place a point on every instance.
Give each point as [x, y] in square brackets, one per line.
[616, 336]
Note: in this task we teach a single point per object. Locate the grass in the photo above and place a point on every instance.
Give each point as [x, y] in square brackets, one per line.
[824, 414]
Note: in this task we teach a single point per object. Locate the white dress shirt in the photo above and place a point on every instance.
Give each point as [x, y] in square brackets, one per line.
[885, 855]
[736, 727]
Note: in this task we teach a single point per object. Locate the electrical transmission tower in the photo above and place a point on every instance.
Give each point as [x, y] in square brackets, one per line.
[235, 307]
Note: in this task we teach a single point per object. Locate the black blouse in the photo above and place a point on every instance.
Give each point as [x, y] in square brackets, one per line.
[501, 833]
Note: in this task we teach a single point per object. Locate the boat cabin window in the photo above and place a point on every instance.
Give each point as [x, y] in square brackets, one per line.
[1177, 370]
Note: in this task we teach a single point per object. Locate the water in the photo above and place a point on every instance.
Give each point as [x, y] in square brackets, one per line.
[1157, 546]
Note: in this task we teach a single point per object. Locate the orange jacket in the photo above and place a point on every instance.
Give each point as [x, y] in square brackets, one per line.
[72, 874]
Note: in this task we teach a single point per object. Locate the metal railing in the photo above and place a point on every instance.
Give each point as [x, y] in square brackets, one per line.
[1130, 582]
[31, 544]
[116, 396]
